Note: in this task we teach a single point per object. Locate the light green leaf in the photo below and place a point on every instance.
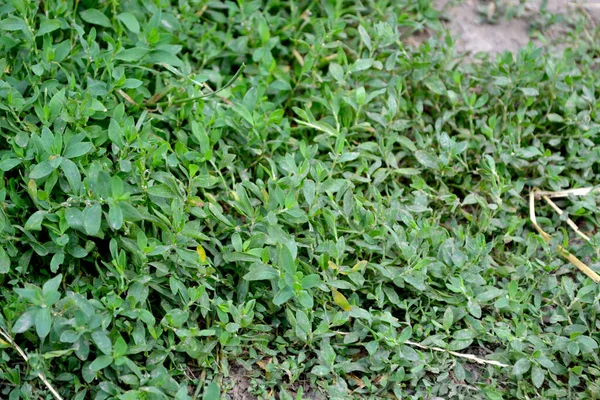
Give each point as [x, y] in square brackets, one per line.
[132, 55]
[41, 170]
[102, 341]
[212, 392]
[95, 17]
[13, 24]
[92, 218]
[115, 216]
[537, 376]
[51, 285]
[24, 322]
[129, 21]
[9, 163]
[261, 272]
[162, 56]
[521, 366]
[4, 261]
[72, 174]
[436, 85]
[43, 320]
[100, 363]
[47, 26]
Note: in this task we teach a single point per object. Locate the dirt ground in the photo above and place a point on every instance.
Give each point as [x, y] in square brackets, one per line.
[487, 26]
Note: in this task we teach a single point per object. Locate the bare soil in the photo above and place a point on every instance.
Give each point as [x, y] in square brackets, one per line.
[473, 33]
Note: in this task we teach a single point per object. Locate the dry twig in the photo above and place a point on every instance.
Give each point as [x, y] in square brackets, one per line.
[561, 250]
[570, 222]
[565, 193]
[470, 357]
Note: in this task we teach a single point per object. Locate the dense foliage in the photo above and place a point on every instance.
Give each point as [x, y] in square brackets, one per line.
[339, 198]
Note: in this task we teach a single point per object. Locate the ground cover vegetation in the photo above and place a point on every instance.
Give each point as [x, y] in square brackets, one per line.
[283, 195]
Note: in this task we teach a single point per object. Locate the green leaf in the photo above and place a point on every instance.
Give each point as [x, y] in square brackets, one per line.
[305, 299]
[25, 321]
[310, 281]
[537, 376]
[436, 85]
[283, 295]
[474, 308]
[43, 320]
[4, 261]
[102, 341]
[218, 214]
[34, 222]
[57, 260]
[115, 133]
[521, 366]
[163, 57]
[448, 318]
[47, 26]
[212, 392]
[100, 363]
[41, 170]
[74, 217]
[13, 24]
[489, 294]
[92, 218]
[72, 174]
[77, 150]
[530, 92]
[95, 17]
[261, 272]
[336, 71]
[552, 117]
[120, 347]
[426, 159]
[55, 105]
[115, 216]
[364, 35]
[51, 285]
[9, 163]
[129, 21]
[133, 54]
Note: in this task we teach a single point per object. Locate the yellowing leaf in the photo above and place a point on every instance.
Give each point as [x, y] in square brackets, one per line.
[201, 252]
[341, 300]
[332, 265]
[359, 266]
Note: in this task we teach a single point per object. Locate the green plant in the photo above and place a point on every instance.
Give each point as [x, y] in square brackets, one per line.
[189, 189]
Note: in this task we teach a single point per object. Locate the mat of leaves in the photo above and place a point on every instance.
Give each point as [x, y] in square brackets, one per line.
[324, 220]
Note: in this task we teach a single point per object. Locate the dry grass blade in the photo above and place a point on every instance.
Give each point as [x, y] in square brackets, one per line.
[561, 250]
[570, 222]
[23, 355]
[565, 193]
[470, 357]
[127, 97]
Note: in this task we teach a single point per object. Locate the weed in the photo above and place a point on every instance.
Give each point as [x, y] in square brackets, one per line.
[345, 214]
